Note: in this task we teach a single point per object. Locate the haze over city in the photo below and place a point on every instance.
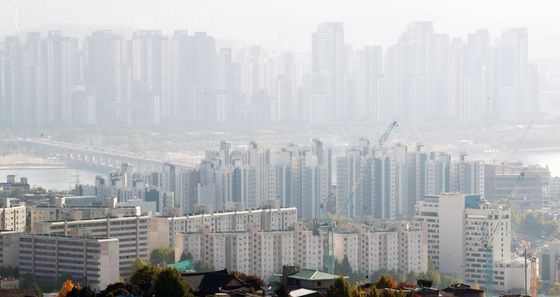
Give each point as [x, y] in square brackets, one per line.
[279, 148]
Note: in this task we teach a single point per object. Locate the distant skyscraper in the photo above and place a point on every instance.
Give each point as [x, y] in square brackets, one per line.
[510, 81]
[414, 65]
[12, 88]
[145, 58]
[61, 60]
[369, 84]
[190, 77]
[327, 67]
[103, 75]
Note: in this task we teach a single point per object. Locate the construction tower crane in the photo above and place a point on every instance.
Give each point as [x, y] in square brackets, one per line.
[331, 224]
[488, 240]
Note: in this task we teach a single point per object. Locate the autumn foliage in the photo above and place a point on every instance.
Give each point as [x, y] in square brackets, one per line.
[66, 287]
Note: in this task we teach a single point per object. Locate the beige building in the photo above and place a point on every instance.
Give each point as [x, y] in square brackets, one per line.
[132, 233]
[396, 246]
[163, 229]
[252, 252]
[12, 214]
[61, 211]
[94, 260]
[308, 248]
[457, 226]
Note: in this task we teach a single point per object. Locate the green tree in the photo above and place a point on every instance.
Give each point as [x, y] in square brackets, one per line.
[169, 283]
[186, 256]
[37, 289]
[144, 277]
[447, 280]
[339, 288]
[6, 271]
[344, 268]
[162, 256]
[81, 292]
[117, 289]
[554, 290]
[432, 276]
[203, 266]
[139, 263]
[425, 283]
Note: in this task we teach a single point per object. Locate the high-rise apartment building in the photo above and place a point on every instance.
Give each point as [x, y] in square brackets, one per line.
[327, 68]
[470, 221]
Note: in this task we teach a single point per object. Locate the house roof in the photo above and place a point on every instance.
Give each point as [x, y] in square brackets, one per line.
[209, 283]
[310, 274]
[183, 266]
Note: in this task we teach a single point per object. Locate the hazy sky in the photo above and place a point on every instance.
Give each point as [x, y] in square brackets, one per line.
[287, 24]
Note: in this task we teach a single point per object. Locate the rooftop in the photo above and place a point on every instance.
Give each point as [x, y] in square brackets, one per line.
[311, 274]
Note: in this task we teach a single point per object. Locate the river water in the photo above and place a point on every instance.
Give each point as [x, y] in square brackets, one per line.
[52, 177]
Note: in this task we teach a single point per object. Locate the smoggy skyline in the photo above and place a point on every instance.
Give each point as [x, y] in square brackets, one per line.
[286, 24]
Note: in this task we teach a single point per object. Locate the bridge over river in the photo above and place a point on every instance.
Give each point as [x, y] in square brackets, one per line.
[91, 156]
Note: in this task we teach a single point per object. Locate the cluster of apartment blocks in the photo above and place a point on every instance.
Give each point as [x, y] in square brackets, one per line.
[261, 241]
[101, 243]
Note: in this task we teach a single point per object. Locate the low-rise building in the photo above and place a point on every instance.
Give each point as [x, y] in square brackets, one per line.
[311, 279]
[9, 283]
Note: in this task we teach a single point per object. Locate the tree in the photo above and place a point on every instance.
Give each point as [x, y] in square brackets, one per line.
[425, 283]
[139, 263]
[6, 271]
[339, 288]
[554, 290]
[371, 292]
[81, 292]
[117, 289]
[432, 276]
[186, 256]
[67, 286]
[169, 283]
[355, 292]
[144, 277]
[252, 280]
[447, 280]
[162, 256]
[385, 282]
[345, 269]
[37, 289]
[203, 266]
